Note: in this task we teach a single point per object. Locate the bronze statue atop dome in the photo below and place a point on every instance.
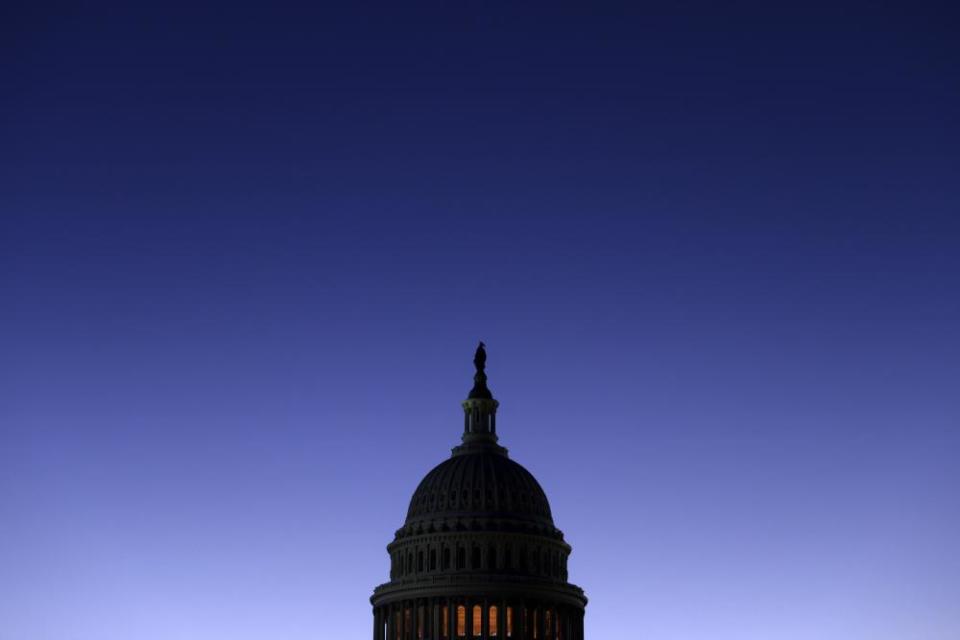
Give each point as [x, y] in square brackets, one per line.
[480, 357]
[480, 389]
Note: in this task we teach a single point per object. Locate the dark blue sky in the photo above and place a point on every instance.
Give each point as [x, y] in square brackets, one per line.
[246, 254]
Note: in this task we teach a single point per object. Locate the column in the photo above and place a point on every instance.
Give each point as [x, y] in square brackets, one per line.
[502, 619]
[415, 620]
[427, 617]
[468, 615]
[449, 618]
[485, 620]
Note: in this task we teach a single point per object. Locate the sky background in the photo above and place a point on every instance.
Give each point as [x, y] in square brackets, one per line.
[246, 254]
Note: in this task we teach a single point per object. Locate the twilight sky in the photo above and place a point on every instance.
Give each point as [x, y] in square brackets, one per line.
[246, 255]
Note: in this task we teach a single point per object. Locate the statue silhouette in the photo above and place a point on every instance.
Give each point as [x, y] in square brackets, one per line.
[480, 358]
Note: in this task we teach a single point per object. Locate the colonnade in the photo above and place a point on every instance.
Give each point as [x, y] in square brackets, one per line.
[500, 556]
[472, 618]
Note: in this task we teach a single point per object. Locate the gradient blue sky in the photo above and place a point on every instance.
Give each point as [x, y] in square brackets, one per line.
[246, 254]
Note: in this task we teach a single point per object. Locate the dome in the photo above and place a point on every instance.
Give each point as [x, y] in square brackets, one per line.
[478, 555]
[482, 484]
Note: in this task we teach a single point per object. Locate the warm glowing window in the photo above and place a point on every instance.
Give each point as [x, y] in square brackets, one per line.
[535, 629]
[461, 621]
[477, 619]
[509, 622]
[492, 623]
[446, 621]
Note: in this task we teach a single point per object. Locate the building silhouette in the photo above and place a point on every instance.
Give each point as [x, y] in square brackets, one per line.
[478, 555]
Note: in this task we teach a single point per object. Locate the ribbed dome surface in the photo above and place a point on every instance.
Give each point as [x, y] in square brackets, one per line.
[485, 484]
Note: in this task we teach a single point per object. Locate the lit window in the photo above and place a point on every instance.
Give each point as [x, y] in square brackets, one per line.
[477, 620]
[509, 622]
[461, 621]
[446, 621]
[492, 622]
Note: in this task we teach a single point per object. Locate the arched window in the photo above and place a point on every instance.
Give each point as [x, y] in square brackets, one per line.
[433, 559]
[477, 620]
[493, 620]
[446, 558]
[446, 621]
[461, 558]
[461, 621]
[509, 622]
[475, 559]
[491, 557]
[420, 561]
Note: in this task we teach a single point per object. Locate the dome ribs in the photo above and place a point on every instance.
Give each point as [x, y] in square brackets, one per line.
[479, 489]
